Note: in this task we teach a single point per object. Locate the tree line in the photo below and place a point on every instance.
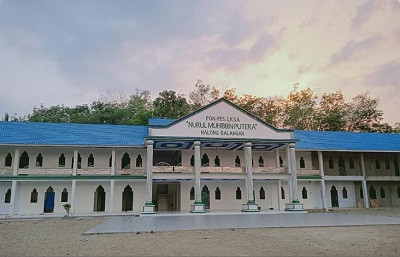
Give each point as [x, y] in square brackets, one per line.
[300, 109]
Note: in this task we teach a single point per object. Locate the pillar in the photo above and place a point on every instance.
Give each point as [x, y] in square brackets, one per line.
[73, 197]
[290, 172]
[12, 200]
[295, 204]
[279, 185]
[112, 162]
[75, 164]
[250, 205]
[364, 182]
[112, 196]
[277, 158]
[197, 206]
[322, 173]
[149, 207]
[16, 162]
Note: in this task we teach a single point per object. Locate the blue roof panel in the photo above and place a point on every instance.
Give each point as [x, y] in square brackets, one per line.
[160, 122]
[36, 133]
[347, 141]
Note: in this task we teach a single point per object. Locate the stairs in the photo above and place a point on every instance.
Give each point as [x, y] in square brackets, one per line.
[162, 203]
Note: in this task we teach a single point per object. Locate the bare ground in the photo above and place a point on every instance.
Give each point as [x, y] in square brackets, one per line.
[62, 237]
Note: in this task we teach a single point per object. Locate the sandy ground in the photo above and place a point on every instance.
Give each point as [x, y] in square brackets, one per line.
[62, 237]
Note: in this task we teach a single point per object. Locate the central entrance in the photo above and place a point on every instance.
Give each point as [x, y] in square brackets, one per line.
[165, 196]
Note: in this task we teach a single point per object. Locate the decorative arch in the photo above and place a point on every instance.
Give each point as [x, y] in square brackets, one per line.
[205, 197]
[217, 194]
[302, 162]
[7, 197]
[192, 193]
[334, 197]
[64, 196]
[260, 162]
[372, 192]
[90, 161]
[34, 196]
[217, 161]
[237, 161]
[238, 193]
[8, 160]
[39, 160]
[262, 193]
[139, 161]
[304, 193]
[24, 161]
[126, 161]
[61, 160]
[127, 199]
[344, 193]
[49, 200]
[99, 199]
[205, 160]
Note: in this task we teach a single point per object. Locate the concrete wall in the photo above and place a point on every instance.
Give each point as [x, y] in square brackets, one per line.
[348, 202]
[4, 207]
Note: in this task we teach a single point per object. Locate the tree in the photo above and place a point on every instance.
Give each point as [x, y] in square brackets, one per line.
[363, 115]
[170, 105]
[202, 95]
[140, 107]
[331, 113]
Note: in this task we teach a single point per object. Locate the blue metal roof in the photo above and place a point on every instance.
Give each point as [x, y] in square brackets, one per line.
[35, 133]
[160, 122]
[347, 141]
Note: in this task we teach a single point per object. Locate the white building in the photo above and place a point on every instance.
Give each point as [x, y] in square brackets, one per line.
[219, 157]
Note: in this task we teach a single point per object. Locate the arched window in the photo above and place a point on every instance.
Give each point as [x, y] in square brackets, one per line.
[205, 162]
[8, 160]
[302, 163]
[344, 192]
[24, 161]
[383, 193]
[7, 198]
[192, 193]
[192, 161]
[283, 193]
[61, 160]
[260, 162]
[110, 161]
[377, 164]
[351, 163]
[64, 196]
[330, 163]
[126, 161]
[90, 161]
[99, 199]
[139, 161]
[237, 161]
[127, 199]
[34, 196]
[398, 192]
[79, 162]
[280, 162]
[39, 160]
[372, 192]
[262, 193]
[387, 163]
[217, 161]
[341, 165]
[304, 193]
[217, 194]
[238, 193]
[361, 193]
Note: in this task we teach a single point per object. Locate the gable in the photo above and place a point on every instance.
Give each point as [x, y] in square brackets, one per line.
[224, 120]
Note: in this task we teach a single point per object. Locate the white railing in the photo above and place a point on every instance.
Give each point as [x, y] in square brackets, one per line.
[6, 171]
[94, 171]
[307, 172]
[45, 171]
[270, 170]
[134, 171]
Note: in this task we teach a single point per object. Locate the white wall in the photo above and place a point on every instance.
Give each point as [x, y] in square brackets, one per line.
[343, 203]
[139, 194]
[4, 207]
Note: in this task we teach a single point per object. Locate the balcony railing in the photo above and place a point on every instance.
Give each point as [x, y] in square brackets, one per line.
[6, 171]
[308, 172]
[45, 171]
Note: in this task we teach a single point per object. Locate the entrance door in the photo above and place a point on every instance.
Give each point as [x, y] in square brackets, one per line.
[334, 197]
[205, 197]
[99, 199]
[127, 199]
[49, 200]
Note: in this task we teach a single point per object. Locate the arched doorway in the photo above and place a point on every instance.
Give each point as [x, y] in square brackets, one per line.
[127, 199]
[334, 197]
[99, 199]
[205, 197]
[49, 200]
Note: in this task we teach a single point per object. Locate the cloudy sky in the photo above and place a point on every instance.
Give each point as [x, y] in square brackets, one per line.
[72, 52]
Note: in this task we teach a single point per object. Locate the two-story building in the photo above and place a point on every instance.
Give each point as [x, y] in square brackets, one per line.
[219, 157]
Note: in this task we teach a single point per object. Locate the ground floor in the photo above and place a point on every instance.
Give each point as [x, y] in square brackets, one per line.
[116, 196]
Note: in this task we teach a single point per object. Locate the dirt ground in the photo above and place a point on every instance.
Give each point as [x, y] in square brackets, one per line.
[64, 237]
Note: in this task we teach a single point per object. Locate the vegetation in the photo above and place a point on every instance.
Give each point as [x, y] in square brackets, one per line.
[301, 109]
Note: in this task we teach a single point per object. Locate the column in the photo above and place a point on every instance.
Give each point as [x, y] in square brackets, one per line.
[279, 184]
[75, 164]
[250, 205]
[149, 207]
[197, 206]
[16, 162]
[12, 200]
[322, 173]
[73, 197]
[290, 172]
[112, 183]
[277, 158]
[295, 205]
[364, 182]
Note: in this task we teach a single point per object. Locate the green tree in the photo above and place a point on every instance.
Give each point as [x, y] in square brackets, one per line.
[170, 105]
[140, 107]
[202, 95]
[331, 113]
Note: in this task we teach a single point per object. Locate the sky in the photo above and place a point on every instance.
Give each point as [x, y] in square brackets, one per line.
[73, 52]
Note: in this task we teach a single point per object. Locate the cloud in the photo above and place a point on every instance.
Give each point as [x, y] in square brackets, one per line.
[387, 74]
[352, 49]
[363, 13]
